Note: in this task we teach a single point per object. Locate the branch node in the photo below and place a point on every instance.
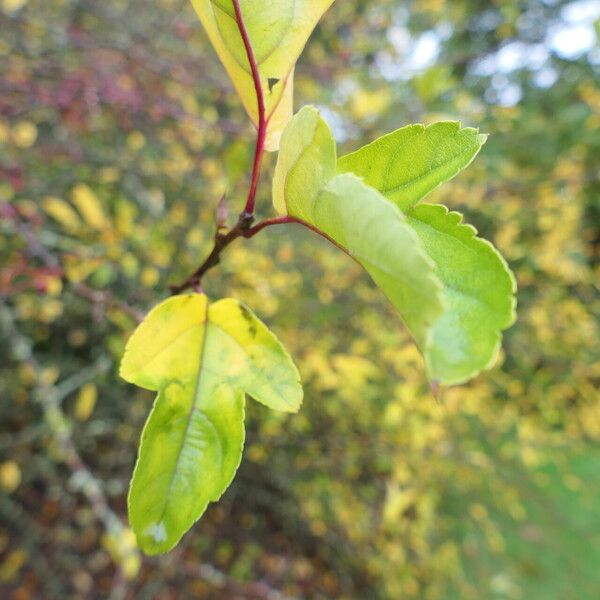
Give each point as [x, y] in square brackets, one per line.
[246, 220]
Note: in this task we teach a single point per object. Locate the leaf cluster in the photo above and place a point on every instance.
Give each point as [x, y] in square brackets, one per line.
[453, 290]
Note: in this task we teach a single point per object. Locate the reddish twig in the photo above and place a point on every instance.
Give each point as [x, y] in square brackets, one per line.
[267, 223]
[282, 220]
[260, 102]
[244, 227]
[222, 240]
[246, 218]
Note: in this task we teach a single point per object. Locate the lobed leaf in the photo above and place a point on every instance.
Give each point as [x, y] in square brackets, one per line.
[201, 359]
[407, 164]
[278, 31]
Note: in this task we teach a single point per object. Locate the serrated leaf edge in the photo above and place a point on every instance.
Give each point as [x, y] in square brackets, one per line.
[472, 233]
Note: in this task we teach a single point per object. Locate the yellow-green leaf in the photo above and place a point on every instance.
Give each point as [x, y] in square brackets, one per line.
[62, 212]
[278, 31]
[306, 165]
[89, 207]
[86, 401]
[201, 359]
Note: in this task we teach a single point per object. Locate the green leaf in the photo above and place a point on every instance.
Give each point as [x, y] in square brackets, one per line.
[453, 290]
[478, 295]
[305, 164]
[375, 233]
[278, 31]
[407, 164]
[356, 217]
[201, 360]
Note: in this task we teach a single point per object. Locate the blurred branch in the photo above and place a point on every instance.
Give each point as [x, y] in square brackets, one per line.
[256, 590]
[50, 399]
[242, 229]
[30, 536]
[35, 249]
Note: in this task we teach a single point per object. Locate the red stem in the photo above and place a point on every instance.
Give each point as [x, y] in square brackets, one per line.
[260, 100]
[244, 228]
[267, 223]
[282, 220]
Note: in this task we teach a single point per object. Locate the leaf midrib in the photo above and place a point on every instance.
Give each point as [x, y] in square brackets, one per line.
[194, 404]
[269, 53]
[193, 407]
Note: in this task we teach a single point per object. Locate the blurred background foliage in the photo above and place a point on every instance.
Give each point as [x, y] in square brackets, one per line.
[118, 134]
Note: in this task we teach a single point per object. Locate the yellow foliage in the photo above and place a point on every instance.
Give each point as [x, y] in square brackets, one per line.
[136, 140]
[24, 134]
[10, 476]
[49, 376]
[86, 401]
[366, 104]
[62, 212]
[89, 207]
[11, 565]
[122, 547]
[53, 286]
[149, 277]
[78, 268]
[4, 132]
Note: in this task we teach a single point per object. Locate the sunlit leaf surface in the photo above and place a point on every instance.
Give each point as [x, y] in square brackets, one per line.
[278, 31]
[407, 164]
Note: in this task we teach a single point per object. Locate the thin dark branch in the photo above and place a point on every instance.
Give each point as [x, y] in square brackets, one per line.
[222, 240]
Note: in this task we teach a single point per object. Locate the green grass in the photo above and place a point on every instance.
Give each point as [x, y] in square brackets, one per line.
[552, 554]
